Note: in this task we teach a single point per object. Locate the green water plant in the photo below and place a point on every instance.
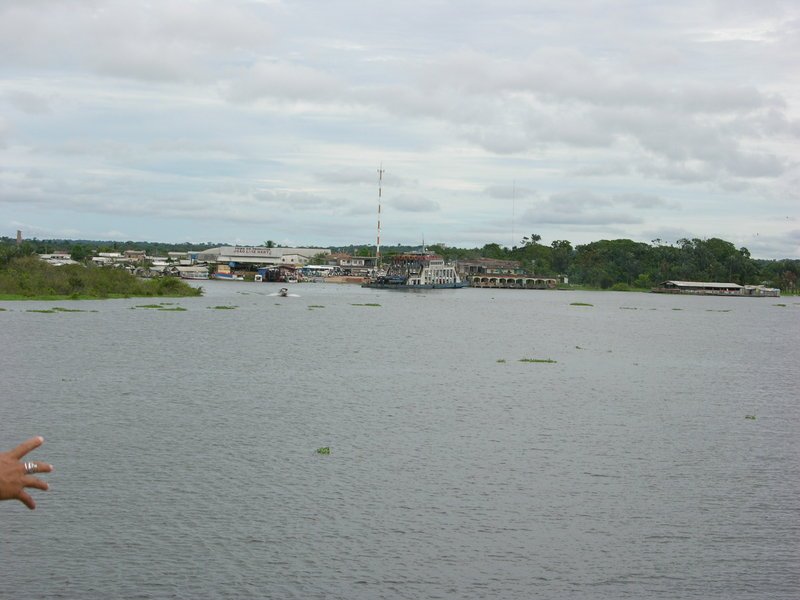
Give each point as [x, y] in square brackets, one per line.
[580, 304]
[324, 450]
[537, 360]
[366, 304]
[501, 360]
[750, 417]
[223, 307]
[174, 309]
[47, 311]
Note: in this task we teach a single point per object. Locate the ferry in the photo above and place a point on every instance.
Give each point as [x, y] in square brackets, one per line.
[417, 271]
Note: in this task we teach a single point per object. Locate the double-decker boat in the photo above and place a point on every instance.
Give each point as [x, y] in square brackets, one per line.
[417, 271]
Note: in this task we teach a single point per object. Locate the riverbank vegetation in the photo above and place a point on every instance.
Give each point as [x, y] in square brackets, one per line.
[28, 278]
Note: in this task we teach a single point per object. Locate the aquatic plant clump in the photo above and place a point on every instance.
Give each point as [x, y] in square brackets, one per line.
[367, 304]
[223, 307]
[538, 360]
[580, 304]
[324, 450]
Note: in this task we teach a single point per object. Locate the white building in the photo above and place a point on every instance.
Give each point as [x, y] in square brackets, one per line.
[259, 255]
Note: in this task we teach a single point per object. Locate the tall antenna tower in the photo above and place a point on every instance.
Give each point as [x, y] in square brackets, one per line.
[513, 212]
[378, 244]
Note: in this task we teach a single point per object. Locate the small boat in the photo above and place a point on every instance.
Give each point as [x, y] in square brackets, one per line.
[228, 277]
[193, 272]
[417, 271]
[283, 292]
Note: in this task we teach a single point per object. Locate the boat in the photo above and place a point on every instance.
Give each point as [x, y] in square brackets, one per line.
[417, 271]
[193, 272]
[713, 288]
[228, 277]
[283, 292]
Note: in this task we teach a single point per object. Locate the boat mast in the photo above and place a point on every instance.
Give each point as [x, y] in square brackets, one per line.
[378, 244]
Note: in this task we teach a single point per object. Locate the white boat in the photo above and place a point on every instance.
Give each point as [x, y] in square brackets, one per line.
[193, 272]
[417, 271]
[228, 277]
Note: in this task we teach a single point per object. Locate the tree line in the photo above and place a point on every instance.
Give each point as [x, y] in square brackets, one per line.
[605, 264]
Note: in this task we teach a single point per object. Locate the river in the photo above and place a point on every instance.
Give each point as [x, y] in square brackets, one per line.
[186, 466]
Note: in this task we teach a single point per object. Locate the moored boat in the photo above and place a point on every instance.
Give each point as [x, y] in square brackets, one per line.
[417, 271]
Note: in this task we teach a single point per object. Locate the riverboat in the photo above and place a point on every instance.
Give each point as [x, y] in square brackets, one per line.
[417, 271]
[713, 288]
[192, 272]
[228, 277]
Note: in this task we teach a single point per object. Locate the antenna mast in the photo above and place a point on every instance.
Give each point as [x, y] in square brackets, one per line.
[513, 211]
[378, 244]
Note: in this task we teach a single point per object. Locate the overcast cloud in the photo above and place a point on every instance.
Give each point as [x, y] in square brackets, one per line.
[245, 120]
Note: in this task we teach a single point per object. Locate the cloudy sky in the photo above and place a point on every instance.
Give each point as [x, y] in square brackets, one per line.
[243, 121]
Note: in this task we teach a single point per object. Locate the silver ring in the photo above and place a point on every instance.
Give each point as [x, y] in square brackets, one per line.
[31, 468]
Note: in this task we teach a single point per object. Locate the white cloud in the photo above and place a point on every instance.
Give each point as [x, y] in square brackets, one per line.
[598, 119]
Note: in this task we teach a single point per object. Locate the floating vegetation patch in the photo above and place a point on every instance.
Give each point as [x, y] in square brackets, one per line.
[367, 304]
[61, 309]
[48, 311]
[779, 304]
[324, 450]
[580, 304]
[579, 348]
[3, 309]
[537, 360]
[148, 306]
[316, 306]
[222, 307]
[677, 309]
[628, 308]
[174, 309]
[501, 360]
[750, 417]
[713, 310]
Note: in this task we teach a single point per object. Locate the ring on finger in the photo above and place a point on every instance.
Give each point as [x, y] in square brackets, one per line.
[31, 468]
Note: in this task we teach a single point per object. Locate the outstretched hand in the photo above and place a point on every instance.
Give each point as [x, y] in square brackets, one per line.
[16, 475]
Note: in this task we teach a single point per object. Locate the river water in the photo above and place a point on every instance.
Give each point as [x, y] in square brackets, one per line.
[185, 445]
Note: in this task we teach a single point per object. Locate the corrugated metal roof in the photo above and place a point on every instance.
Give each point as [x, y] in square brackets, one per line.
[704, 284]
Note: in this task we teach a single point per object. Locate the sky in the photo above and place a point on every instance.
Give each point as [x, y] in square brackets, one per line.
[245, 121]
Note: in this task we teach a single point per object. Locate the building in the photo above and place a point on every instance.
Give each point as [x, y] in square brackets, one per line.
[489, 266]
[249, 257]
[352, 265]
[58, 258]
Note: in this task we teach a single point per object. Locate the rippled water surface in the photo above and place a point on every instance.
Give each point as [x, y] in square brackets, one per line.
[186, 466]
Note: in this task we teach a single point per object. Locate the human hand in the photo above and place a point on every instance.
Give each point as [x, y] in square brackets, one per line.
[15, 475]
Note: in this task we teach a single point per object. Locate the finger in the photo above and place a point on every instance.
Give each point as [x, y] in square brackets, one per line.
[26, 447]
[27, 500]
[35, 482]
[43, 467]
